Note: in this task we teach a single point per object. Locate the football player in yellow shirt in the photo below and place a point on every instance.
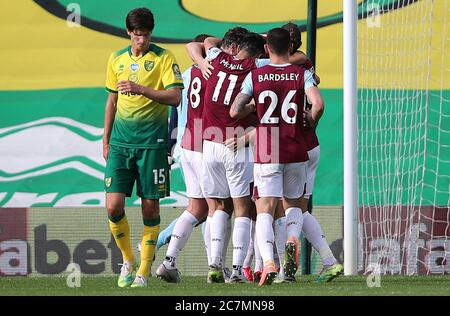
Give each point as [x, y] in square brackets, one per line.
[143, 79]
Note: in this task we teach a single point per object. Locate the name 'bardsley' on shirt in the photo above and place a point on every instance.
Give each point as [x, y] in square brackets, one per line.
[278, 77]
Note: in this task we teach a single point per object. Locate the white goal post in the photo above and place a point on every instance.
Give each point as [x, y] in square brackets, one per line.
[350, 139]
[396, 137]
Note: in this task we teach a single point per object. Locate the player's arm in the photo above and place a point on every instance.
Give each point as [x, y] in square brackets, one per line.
[299, 58]
[211, 42]
[110, 112]
[171, 80]
[197, 52]
[170, 96]
[241, 106]
[317, 106]
[315, 99]
[235, 144]
[111, 104]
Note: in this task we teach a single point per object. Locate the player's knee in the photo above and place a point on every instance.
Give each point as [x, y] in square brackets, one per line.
[114, 209]
[216, 204]
[150, 208]
[304, 203]
[115, 204]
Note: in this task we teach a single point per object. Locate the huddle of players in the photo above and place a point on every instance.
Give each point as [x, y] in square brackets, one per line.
[239, 103]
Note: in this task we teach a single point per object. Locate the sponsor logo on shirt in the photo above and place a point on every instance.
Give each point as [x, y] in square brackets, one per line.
[133, 77]
[177, 72]
[134, 67]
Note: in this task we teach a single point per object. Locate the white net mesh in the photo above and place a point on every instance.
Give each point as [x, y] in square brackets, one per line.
[404, 137]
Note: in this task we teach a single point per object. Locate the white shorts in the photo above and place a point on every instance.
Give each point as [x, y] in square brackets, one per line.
[191, 162]
[226, 173]
[280, 179]
[314, 155]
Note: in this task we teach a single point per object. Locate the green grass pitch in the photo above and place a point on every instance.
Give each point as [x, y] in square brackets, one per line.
[197, 286]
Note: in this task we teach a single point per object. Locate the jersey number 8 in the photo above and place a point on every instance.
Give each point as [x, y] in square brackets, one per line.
[194, 96]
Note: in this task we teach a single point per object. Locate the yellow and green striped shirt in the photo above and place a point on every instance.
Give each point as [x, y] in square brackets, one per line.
[139, 121]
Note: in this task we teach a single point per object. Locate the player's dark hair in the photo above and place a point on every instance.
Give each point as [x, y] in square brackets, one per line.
[140, 19]
[253, 44]
[295, 34]
[234, 36]
[200, 38]
[279, 41]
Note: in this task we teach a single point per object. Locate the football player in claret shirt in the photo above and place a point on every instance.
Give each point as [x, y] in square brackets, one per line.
[142, 80]
[191, 144]
[279, 170]
[311, 227]
[227, 173]
[191, 160]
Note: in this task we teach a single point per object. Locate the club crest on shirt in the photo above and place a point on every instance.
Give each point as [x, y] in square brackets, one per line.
[148, 65]
[121, 67]
[177, 72]
[134, 67]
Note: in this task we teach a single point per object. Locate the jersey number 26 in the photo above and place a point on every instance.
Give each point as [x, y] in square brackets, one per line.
[285, 107]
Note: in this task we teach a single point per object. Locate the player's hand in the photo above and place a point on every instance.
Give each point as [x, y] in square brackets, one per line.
[206, 68]
[125, 86]
[308, 120]
[105, 151]
[234, 144]
[170, 160]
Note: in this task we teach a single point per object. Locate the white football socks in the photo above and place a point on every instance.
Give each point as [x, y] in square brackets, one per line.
[207, 238]
[180, 234]
[265, 237]
[294, 222]
[217, 230]
[258, 259]
[314, 234]
[226, 242]
[279, 229]
[241, 240]
[251, 248]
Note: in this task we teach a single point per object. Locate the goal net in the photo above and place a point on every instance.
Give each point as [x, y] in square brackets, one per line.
[404, 137]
